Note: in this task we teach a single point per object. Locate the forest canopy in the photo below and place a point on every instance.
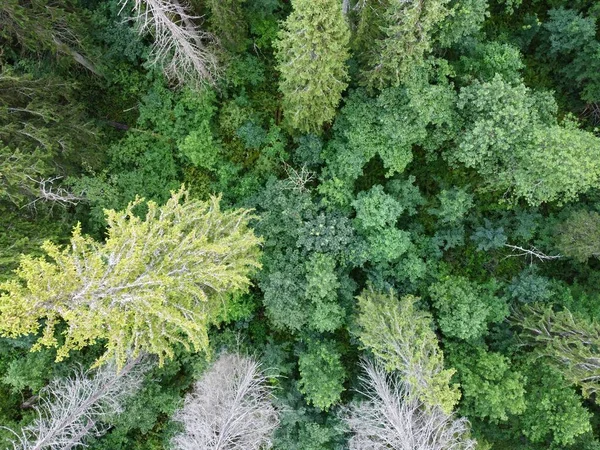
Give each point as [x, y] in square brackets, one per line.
[300, 224]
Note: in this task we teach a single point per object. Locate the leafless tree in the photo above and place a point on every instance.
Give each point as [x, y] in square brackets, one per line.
[392, 418]
[230, 408]
[185, 52]
[58, 195]
[75, 407]
[298, 179]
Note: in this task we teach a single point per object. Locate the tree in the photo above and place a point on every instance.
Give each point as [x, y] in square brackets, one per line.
[492, 389]
[579, 235]
[153, 283]
[44, 133]
[321, 374]
[401, 336]
[393, 417]
[73, 408]
[311, 53]
[230, 408]
[569, 342]
[399, 37]
[512, 139]
[180, 47]
[465, 308]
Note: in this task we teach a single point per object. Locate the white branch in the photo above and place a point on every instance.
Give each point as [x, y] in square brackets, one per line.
[229, 409]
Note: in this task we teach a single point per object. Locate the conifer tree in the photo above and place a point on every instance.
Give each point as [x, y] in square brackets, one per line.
[312, 51]
[394, 36]
[153, 283]
[571, 343]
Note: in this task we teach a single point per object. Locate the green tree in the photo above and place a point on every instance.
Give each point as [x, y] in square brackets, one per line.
[491, 388]
[465, 308]
[401, 336]
[155, 282]
[321, 374]
[571, 343]
[311, 53]
[396, 37]
[579, 235]
[512, 139]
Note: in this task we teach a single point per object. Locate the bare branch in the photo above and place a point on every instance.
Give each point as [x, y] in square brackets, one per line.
[180, 47]
[532, 253]
[229, 409]
[298, 180]
[392, 417]
[73, 408]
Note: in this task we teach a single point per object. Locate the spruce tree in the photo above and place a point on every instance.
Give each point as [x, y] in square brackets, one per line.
[312, 51]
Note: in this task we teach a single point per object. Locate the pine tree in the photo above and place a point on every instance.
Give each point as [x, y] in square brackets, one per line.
[312, 51]
[155, 282]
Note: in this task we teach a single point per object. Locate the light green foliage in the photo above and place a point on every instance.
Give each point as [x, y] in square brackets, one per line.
[486, 59]
[578, 236]
[321, 374]
[376, 210]
[311, 53]
[554, 412]
[465, 308]
[491, 388]
[404, 37]
[571, 343]
[321, 288]
[454, 204]
[155, 282]
[465, 18]
[511, 138]
[401, 336]
[376, 216]
[388, 126]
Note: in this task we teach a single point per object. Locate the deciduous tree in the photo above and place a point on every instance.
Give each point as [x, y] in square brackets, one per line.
[392, 416]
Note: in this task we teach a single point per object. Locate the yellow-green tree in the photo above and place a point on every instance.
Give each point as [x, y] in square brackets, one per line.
[311, 52]
[155, 281]
[402, 337]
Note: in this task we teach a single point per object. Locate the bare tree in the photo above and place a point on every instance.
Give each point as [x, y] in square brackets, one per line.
[73, 408]
[229, 409]
[393, 418]
[180, 46]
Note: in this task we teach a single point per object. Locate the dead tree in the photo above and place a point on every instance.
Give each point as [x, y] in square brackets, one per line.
[393, 418]
[230, 408]
[72, 408]
[181, 48]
